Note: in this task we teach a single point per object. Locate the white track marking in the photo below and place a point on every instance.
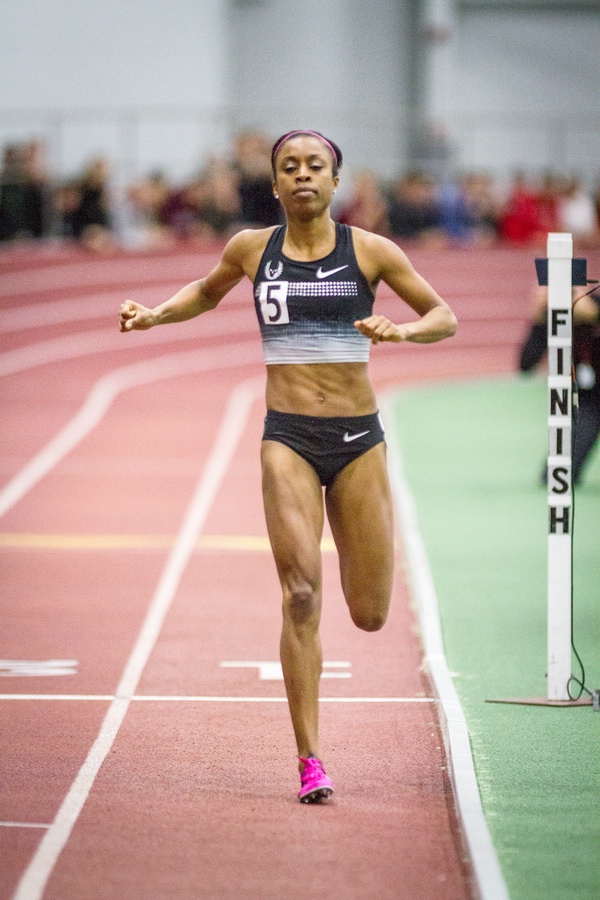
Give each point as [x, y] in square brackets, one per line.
[488, 873]
[77, 309]
[242, 699]
[271, 670]
[87, 307]
[109, 340]
[238, 409]
[37, 668]
[232, 427]
[165, 698]
[102, 396]
[113, 272]
[59, 349]
[82, 697]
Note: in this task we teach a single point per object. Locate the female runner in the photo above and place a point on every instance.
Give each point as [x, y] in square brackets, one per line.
[314, 288]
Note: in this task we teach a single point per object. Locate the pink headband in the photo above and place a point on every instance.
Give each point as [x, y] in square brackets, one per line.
[315, 134]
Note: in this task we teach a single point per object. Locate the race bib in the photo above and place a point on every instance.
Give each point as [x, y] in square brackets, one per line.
[273, 302]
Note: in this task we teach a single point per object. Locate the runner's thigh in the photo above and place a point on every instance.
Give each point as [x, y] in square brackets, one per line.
[293, 501]
[360, 512]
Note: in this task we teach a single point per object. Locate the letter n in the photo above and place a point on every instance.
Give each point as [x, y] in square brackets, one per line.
[560, 400]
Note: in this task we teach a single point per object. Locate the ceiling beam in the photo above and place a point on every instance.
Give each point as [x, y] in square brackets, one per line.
[567, 6]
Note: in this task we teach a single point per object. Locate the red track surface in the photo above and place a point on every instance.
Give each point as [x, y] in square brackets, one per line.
[195, 796]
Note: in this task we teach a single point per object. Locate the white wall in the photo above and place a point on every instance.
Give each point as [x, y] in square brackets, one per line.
[163, 83]
[526, 89]
[335, 65]
[143, 81]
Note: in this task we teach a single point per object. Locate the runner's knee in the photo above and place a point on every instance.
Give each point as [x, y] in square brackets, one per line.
[301, 604]
[369, 610]
[368, 620]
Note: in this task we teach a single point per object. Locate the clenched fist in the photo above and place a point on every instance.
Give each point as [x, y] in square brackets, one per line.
[379, 328]
[135, 316]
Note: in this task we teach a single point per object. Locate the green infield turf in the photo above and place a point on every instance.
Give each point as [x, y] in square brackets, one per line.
[472, 454]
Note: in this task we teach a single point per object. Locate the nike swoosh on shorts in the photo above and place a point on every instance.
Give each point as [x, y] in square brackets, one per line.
[322, 274]
[352, 437]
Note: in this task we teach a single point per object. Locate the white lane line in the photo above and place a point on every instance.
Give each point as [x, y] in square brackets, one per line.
[61, 274]
[105, 697]
[23, 825]
[166, 698]
[101, 397]
[484, 859]
[238, 409]
[230, 432]
[241, 699]
[108, 340]
[88, 307]
[85, 307]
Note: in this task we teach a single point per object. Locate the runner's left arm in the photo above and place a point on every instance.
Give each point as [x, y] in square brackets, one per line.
[382, 260]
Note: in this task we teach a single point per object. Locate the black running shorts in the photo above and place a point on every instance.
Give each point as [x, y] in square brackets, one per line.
[328, 444]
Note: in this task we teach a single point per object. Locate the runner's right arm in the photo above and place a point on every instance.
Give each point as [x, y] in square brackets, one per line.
[196, 297]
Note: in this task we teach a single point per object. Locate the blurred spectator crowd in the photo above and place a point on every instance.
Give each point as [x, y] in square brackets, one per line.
[236, 191]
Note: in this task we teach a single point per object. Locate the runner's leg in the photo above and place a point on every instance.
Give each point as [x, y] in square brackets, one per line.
[293, 501]
[360, 512]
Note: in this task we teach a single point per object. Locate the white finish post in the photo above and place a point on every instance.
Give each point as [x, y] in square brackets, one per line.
[560, 491]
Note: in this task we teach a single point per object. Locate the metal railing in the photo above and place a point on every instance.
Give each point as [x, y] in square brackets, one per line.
[180, 138]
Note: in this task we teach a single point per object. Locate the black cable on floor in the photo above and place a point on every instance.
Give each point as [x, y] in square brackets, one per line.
[573, 680]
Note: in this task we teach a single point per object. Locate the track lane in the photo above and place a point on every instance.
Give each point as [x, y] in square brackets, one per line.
[193, 816]
[41, 866]
[164, 674]
[188, 790]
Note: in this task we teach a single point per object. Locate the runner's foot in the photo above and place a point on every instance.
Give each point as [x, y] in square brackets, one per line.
[315, 786]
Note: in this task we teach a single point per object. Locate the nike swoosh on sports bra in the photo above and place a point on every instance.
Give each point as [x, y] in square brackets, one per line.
[306, 310]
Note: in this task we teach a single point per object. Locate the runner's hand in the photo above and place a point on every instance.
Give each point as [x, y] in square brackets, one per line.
[378, 328]
[134, 316]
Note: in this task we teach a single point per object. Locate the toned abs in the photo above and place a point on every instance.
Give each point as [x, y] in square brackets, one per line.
[320, 389]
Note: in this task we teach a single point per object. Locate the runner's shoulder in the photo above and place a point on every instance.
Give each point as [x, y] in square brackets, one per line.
[248, 242]
[377, 254]
[372, 241]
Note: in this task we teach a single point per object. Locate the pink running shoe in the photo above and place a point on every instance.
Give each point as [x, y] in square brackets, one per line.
[314, 783]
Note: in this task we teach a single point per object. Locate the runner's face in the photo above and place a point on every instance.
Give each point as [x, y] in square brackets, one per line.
[304, 174]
